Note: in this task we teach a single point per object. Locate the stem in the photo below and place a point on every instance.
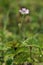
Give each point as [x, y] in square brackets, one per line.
[22, 23]
[5, 21]
[21, 28]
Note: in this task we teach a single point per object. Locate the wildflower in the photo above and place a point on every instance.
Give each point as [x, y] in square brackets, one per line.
[24, 11]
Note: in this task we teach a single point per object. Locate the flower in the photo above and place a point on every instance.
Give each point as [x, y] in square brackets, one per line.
[24, 11]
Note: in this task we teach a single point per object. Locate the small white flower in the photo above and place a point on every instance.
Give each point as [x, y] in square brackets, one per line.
[24, 11]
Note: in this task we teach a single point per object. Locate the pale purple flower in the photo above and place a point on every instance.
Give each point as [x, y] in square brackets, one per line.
[24, 11]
